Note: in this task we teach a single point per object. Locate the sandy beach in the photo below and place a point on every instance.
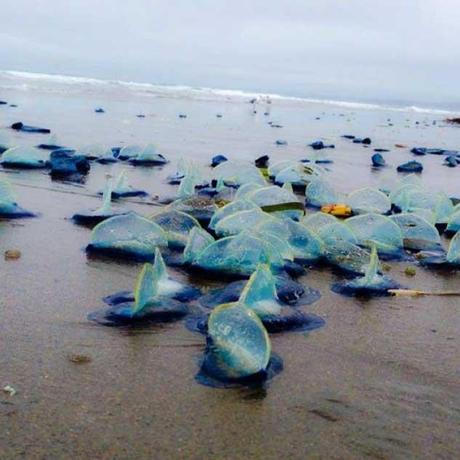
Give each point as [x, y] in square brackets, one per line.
[379, 380]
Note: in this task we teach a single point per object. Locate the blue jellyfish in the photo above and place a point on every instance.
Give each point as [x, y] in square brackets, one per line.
[8, 207]
[164, 284]
[146, 306]
[25, 158]
[368, 200]
[238, 349]
[128, 236]
[417, 232]
[177, 226]
[122, 188]
[104, 212]
[372, 283]
[379, 230]
[148, 156]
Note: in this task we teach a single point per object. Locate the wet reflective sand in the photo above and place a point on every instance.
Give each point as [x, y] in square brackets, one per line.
[380, 380]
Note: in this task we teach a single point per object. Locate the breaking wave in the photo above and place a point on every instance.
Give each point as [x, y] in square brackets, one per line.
[62, 83]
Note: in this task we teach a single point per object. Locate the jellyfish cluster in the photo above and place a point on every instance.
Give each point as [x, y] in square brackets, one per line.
[256, 230]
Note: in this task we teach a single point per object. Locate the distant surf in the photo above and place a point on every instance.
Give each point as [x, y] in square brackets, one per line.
[10, 79]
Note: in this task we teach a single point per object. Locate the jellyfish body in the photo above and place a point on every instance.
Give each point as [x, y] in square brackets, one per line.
[372, 283]
[148, 305]
[165, 286]
[128, 236]
[93, 217]
[238, 345]
[9, 209]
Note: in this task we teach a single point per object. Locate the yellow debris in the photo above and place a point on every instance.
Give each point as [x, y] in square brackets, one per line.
[339, 209]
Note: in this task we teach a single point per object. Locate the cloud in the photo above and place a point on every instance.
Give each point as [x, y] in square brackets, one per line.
[354, 49]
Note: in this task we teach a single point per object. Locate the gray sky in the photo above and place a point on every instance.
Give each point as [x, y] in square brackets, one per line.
[381, 50]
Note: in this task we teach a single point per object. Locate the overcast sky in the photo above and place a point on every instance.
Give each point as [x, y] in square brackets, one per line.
[382, 50]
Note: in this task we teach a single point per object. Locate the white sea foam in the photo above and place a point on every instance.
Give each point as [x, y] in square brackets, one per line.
[56, 83]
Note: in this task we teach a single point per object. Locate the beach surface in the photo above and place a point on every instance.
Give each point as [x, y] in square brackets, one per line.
[379, 380]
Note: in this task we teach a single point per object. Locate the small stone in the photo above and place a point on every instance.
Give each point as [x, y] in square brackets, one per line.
[12, 254]
[9, 389]
[410, 271]
[79, 359]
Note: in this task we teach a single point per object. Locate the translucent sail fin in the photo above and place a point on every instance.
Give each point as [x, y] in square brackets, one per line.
[198, 240]
[259, 294]
[371, 272]
[146, 289]
[6, 192]
[288, 186]
[186, 187]
[107, 197]
[122, 181]
[159, 267]
[220, 185]
[453, 254]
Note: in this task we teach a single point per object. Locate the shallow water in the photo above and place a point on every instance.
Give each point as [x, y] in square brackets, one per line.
[380, 380]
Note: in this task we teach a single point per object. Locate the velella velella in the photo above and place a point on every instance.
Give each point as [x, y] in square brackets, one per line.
[8, 206]
[418, 233]
[260, 295]
[200, 207]
[376, 229]
[231, 208]
[316, 220]
[293, 239]
[129, 235]
[198, 240]
[235, 174]
[147, 305]
[346, 256]
[50, 144]
[453, 253]
[440, 258]
[5, 144]
[453, 223]
[122, 188]
[165, 286]
[107, 157]
[92, 217]
[92, 152]
[20, 126]
[319, 192]
[177, 226]
[336, 231]
[238, 348]
[238, 255]
[25, 158]
[148, 156]
[372, 283]
[240, 221]
[411, 197]
[368, 200]
[128, 152]
[279, 201]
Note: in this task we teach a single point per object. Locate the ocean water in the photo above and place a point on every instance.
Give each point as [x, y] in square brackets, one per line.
[380, 380]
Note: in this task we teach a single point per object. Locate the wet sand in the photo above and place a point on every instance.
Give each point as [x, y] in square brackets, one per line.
[379, 380]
